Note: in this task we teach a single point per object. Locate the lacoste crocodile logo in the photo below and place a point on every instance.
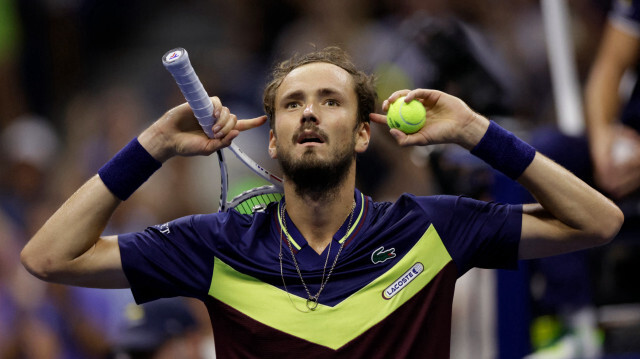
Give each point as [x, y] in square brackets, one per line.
[380, 255]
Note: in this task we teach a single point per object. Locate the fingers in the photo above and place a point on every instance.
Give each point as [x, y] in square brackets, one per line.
[448, 119]
[625, 179]
[426, 96]
[226, 140]
[404, 140]
[394, 96]
[231, 128]
[239, 125]
[178, 132]
[217, 106]
[243, 125]
[226, 122]
[618, 180]
[429, 98]
[401, 138]
[378, 118]
[231, 124]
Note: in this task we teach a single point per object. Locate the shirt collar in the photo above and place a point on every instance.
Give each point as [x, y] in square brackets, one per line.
[298, 241]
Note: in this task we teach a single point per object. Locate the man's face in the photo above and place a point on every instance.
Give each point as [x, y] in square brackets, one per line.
[315, 111]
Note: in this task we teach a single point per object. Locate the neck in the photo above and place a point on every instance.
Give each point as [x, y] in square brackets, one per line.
[319, 219]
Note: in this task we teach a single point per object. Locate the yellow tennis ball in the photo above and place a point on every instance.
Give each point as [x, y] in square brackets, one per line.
[406, 117]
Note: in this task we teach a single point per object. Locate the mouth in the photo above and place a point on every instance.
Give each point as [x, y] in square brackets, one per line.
[310, 137]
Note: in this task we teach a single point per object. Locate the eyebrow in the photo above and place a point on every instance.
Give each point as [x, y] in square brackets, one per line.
[328, 92]
[299, 94]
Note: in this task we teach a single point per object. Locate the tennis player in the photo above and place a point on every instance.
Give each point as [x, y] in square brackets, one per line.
[326, 271]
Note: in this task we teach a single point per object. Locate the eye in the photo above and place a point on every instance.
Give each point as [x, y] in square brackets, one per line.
[332, 103]
[291, 105]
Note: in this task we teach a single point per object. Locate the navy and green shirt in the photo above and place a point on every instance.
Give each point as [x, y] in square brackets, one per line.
[389, 296]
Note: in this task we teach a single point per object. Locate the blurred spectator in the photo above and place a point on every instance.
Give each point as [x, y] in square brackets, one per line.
[38, 321]
[567, 289]
[11, 91]
[613, 123]
[161, 329]
[563, 299]
[30, 145]
[613, 126]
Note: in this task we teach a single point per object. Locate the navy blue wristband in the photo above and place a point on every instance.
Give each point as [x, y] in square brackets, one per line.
[504, 151]
[128, 169]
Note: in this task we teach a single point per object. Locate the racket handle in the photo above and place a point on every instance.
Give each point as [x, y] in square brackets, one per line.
[177, 62]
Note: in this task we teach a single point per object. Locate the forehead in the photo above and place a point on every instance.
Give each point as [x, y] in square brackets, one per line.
[315, 76]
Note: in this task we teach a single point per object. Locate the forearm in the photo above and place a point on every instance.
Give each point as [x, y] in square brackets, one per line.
[618, 52]
[59, 248]
[70, 232]
[581, 211]
[602, 105]
[68, 249]
[570, 216]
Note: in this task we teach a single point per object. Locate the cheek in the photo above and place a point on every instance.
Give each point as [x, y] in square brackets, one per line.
[284, 122]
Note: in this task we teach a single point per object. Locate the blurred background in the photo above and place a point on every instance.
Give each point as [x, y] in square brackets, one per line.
[80, 78]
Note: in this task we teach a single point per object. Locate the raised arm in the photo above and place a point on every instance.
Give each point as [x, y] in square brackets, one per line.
[619, 51]
[570, 215]
[69, 249]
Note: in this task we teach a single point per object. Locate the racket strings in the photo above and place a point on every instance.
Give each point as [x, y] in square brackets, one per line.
[249, 202]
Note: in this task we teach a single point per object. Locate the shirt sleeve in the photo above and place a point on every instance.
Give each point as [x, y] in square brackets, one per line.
[625, 16]
[476, 233]
[168, 260]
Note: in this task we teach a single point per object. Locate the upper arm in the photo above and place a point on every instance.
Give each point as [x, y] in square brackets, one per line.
[175, 258]
[543, 235]
[69, 249]
[98, 267]
[476, 233]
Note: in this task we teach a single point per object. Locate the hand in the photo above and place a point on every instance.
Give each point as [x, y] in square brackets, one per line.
[178, 132]
[449, 120]
[617, 164]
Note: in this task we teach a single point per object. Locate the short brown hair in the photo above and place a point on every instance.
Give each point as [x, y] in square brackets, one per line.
[363, 83]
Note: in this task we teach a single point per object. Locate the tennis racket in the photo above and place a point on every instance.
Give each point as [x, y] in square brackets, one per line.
[254, 200]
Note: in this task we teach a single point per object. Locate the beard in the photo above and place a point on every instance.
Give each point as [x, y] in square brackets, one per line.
[314, 178]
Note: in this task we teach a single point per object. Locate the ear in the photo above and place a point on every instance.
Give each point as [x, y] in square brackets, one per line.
[362, 137]
[272, 145]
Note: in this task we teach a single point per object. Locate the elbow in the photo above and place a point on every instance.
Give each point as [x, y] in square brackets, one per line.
[37, 264]
[608, 227]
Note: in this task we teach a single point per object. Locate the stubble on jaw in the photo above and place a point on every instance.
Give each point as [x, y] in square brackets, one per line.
[314, 178]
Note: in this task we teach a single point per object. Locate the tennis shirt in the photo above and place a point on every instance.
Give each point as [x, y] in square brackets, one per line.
[389, 295]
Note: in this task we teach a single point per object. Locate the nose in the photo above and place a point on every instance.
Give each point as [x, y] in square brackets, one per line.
[309, 114]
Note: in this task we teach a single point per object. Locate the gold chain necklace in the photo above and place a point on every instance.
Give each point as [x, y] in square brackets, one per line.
[312, 300]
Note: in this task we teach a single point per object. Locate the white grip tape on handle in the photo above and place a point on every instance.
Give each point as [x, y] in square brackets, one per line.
[177, 63]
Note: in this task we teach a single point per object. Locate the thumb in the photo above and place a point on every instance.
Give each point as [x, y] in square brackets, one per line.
[404, 140]
[399, 136]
